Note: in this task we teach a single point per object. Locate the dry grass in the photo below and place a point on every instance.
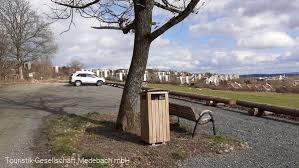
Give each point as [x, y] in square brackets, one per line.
[95, 136]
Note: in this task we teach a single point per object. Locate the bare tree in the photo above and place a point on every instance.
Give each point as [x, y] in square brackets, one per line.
[129, 16]
[76, 65]
[29, 36]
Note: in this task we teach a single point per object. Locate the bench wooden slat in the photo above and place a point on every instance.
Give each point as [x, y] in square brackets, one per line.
[182, 111]
[178, 113]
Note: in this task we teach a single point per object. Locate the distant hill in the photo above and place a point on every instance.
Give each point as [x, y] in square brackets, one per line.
[270, 75]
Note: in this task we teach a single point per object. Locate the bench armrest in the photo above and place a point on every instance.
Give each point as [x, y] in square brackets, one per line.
[208, 117]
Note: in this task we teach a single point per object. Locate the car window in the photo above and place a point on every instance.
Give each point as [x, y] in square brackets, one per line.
[81, 75]
[89, 75]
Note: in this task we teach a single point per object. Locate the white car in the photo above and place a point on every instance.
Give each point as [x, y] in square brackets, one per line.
[85, 77]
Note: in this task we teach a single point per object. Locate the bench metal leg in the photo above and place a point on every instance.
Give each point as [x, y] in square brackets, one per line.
[194, 130]
[211, 120]
[178, 120]
[214, 129]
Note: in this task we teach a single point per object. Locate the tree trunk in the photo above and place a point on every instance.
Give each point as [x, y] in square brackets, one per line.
[20, 64]
[20, 68]
[126, 119]
[21, 72]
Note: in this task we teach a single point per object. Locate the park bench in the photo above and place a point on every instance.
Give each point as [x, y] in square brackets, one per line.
[188, 113]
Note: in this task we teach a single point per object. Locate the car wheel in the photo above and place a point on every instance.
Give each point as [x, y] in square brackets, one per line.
[78, 83]
[99, 83]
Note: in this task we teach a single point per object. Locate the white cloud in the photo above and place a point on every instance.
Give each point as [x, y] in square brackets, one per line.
[267, 40]
[248, 57]
[237, 25]
[253, 33]
[168, 54]
[262, 33]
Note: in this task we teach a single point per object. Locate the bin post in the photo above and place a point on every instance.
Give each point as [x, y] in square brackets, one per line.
[154, 113]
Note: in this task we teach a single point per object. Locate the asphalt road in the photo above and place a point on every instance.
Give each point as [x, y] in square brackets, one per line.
[22, 107]
[273, 143]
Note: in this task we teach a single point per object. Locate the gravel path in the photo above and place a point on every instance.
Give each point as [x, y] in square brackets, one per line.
[273, 143]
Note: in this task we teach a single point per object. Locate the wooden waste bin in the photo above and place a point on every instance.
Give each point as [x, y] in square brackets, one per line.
[154, 108]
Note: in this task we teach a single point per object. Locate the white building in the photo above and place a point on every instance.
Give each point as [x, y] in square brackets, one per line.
[185, 79]
[120, 76]
[145, 76]
[163, 76]
[104, 73]
[213, 80]
[56, 69]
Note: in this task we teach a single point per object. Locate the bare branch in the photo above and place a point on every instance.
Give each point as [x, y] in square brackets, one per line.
[76, 6]
[107, 27]
[115, 13]
[125, 29]
[175, 20]
[166, 7]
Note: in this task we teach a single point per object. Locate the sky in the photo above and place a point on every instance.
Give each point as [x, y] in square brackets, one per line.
[225, 36]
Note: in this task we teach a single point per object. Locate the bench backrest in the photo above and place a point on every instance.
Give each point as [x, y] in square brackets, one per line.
[182, 111]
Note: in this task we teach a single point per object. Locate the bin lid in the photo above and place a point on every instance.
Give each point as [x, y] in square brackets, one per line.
[158, 91]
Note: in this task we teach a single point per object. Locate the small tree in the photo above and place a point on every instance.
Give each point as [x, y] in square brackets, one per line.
[127, 16]
[76, 65]
[43, 68]
[28, 35]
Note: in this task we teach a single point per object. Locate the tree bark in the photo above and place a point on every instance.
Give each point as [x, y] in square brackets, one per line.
[126, 119]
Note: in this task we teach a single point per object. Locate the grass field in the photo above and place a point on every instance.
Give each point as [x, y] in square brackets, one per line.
[280, 99]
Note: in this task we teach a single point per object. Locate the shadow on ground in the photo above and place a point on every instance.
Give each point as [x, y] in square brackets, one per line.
[105, 128]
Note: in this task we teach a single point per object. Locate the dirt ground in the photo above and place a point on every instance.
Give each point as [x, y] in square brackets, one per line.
[94, 136]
